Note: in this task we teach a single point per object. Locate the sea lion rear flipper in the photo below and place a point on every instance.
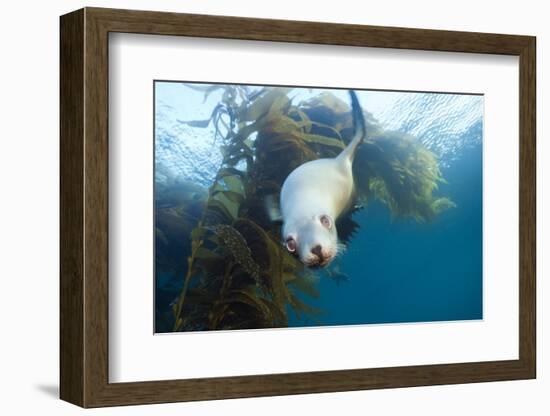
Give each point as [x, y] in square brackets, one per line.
[359, 128]
[272, 208]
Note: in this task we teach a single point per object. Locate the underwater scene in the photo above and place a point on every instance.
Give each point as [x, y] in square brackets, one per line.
[285, 206]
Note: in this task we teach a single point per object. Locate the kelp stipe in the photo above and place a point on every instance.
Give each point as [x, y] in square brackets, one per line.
[238, 274]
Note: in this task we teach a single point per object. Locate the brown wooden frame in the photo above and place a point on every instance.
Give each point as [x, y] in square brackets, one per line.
[84, 207]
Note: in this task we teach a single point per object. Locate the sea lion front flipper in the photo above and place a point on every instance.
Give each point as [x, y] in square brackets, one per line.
[273, 208]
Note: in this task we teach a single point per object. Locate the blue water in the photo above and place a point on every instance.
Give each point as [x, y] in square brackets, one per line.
[403, 271]
[398, 270]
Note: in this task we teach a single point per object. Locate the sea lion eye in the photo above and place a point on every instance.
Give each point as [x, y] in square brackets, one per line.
[291, 244]
[326, 221]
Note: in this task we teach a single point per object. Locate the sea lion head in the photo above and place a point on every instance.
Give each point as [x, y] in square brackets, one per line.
[312, 239]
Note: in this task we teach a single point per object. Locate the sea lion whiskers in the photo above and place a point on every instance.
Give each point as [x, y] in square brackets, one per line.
[340, 249]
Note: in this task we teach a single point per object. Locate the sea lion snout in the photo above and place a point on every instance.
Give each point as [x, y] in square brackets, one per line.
[317, 250]
[322, 257]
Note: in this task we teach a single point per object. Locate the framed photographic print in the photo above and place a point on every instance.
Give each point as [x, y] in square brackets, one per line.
[260, 207]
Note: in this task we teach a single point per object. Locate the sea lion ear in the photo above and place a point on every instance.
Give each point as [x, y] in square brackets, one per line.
[272, 208]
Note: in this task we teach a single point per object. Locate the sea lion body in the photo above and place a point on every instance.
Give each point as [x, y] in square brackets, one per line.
[314, 195]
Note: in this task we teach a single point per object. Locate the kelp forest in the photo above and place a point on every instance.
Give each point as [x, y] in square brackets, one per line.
[221, 246]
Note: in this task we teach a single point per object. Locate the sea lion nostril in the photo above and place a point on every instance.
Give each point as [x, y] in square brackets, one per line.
[317, 251]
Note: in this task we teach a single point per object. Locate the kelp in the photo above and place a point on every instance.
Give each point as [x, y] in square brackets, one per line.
[396, 170]
[238, 273]
[389, 166]
[178, 209]
[238, 247]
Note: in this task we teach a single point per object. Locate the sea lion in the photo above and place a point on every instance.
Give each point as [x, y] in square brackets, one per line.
[315, 194]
